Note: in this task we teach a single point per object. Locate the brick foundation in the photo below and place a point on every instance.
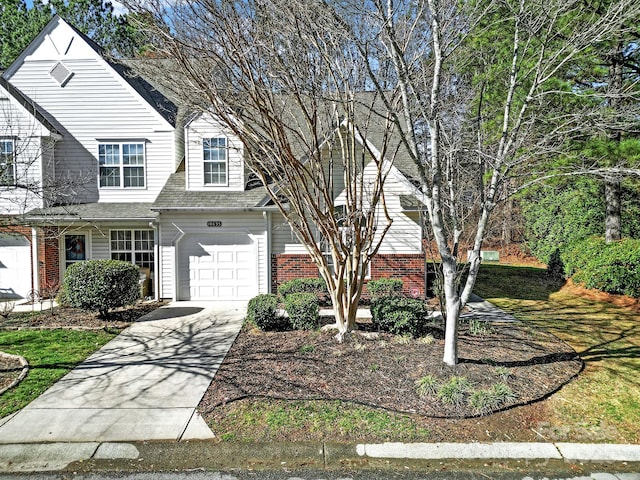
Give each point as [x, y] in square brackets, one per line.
[409, 267]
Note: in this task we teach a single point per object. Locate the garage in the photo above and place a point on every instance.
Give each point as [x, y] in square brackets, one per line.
[15, 267]
[217, 267]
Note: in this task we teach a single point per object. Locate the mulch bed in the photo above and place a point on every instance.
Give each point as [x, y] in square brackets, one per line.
[380, 370]
[41, 317]
[10, 370]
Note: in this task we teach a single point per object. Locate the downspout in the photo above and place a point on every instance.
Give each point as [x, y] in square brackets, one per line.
[268, 224]
[176, 266]
[35, 261]
[156, 259]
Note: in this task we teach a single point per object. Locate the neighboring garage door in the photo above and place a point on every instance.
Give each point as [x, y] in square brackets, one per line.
[15, 267]
[218, 267]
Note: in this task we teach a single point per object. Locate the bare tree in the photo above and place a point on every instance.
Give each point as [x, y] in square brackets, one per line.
[280, 77]
[247, 61]
[425, 48]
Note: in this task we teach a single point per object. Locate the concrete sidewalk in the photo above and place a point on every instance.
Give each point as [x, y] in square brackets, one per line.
[143, 385]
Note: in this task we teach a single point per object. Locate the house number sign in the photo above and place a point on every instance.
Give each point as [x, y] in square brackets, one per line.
[214, 223]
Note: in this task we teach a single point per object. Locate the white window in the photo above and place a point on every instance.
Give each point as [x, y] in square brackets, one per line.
[135, 246]
[121, 165]
[215, 161]
[7, 162]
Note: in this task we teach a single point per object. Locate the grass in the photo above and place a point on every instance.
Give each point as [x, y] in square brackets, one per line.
[271, 419]
[604, 402]
[51, 354]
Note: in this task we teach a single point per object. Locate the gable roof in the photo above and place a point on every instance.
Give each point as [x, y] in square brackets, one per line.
[28, 105]
[162, 105]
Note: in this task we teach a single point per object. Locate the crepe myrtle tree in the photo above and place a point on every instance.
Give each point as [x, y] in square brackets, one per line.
[463, 127]
[279, 76]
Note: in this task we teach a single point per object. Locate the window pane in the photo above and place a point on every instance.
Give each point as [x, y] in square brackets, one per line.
[133, 154]
[74, 246]
[134, 177]
[7, 164]
[109, 176]
[122, 256]
[109, 154]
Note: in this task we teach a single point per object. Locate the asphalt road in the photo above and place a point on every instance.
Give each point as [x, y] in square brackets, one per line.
[327, 475]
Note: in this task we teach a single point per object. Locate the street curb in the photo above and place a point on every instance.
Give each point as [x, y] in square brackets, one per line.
[134, 456]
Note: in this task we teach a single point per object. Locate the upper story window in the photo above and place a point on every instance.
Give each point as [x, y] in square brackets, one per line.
[121, 165]
[215, 161]
[7, 162]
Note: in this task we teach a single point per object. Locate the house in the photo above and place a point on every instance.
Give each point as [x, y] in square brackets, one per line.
[130, 176]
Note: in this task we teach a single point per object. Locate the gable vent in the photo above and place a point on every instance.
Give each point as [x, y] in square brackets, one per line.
[61, 73]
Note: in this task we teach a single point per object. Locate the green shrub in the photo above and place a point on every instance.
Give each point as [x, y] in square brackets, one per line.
[399, 315]
[384, 287]
[454, 391]
[100, 285]
[303, 310]
[555, 266]
[262, 311]
[612, 268]
[426, 385]
[315, 285]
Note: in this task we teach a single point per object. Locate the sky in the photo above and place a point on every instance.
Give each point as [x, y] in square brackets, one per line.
[118, 9]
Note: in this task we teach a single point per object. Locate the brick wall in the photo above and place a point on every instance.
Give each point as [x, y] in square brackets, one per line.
[285, 267]
[48, 258]
[409, 267]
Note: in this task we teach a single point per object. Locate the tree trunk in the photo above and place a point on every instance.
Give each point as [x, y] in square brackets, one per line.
[613, 211]
[452, 309]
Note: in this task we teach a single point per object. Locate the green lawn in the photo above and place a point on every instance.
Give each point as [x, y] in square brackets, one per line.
[51, 354]
[603, 404]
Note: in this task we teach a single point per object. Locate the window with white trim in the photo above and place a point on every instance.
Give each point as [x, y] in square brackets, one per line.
[7, 162]
[215, 161]
[135, 246]
[121, 165]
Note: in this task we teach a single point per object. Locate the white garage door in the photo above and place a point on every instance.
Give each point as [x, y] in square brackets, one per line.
[15, 267]
[220, 267]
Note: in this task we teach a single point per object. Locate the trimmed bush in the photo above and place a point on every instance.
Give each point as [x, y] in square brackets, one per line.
[399, 315]
[612, 268]
[315, 285]
[384, 287]
[262, 311]
[100, 285]
[303, 310]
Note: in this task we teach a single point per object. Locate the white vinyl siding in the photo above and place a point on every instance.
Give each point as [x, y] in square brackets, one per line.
[95, 106]
[207, 163]
[121, 165]
[23, 142]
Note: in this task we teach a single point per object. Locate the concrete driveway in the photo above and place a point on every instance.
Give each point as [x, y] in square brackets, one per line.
[143, 385]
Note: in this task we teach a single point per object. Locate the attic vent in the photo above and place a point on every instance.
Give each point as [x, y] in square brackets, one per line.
[61, 74]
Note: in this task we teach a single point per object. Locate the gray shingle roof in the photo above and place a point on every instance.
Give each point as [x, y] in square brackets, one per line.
[174, 196]
[95, 212]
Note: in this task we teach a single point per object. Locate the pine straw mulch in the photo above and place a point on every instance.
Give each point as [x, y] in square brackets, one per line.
[380, 370]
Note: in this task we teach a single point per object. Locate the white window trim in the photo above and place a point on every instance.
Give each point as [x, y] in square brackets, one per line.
[14, 175]
[133, 250]
[226, 162]
[63, 248]
[121, 165]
